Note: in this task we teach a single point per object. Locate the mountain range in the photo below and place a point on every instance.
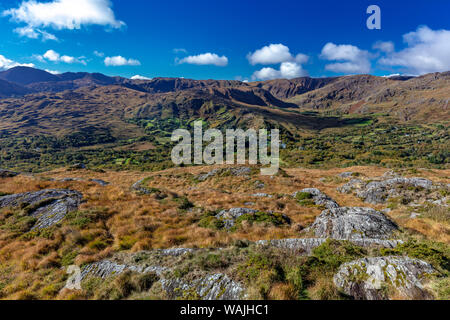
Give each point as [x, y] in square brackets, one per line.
[34, 101]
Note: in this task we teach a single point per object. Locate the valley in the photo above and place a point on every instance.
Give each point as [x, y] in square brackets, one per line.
[86, 180]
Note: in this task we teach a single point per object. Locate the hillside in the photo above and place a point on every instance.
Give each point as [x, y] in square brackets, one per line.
[424, 98]
[116, 122]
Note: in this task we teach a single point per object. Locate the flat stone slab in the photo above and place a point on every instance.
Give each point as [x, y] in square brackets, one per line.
[48, 206]
[307, 245]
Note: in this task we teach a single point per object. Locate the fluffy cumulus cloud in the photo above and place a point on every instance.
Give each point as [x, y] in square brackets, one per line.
[205, 59]
[61, 14]
[271, 54]
[290, 65]
[6, 63]
[139, 77]
[54, 56]
[288, 70]
[274, 54]
[427, 51]
[119, 61]
[349, 59]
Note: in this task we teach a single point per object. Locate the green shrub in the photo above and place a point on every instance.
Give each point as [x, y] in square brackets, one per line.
[276, 219]
[436, 256]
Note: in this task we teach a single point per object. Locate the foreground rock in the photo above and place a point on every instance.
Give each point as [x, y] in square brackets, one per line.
[379, 192]
[372, 278]
[7, 173]
[207, 287]
[307, 245]
[47, 206]
[319, 198]
[350, 223]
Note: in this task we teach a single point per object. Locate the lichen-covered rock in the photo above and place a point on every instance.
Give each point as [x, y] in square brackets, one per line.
[231, 215]
[211, 287]
[377, 192]
[353, 223]
[140, 188]
[47, 206]
[319, 198]
[346, 175]
[208, 287]
[104, 269]
[7, 174]
[371, 278]
[262, 195]
[353, 184]
[307, 245]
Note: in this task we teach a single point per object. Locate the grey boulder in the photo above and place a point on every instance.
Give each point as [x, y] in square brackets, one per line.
[371, 278]
[48, 206]
[349, 223]
[319, 198]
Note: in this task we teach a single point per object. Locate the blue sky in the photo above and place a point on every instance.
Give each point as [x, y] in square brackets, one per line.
[246, 39]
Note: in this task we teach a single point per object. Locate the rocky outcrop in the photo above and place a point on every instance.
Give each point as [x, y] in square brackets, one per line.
[47, 206]
[106, 268]
[207, 287]
[262, 195]
[379, 192]
[231, 215]
[307, 245]
[211, 287]
[7, 174]
[353, 223]
[319, 198]
[372, 278]
[346, 175]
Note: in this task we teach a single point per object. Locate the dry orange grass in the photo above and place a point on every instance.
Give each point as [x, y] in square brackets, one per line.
[141, 222]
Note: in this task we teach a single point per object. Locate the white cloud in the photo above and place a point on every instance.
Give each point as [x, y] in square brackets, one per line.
[288, 70]
[427, 51]
[32, 33]
[139, 77]
[61, 14]
[205, 59]
[6, 63]
[118, 61]
[271, 54]
[99, 54]
[53, 71]
[352, 59]
[54, 56]
[274, 54]
[384, 46]
[290, 66]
